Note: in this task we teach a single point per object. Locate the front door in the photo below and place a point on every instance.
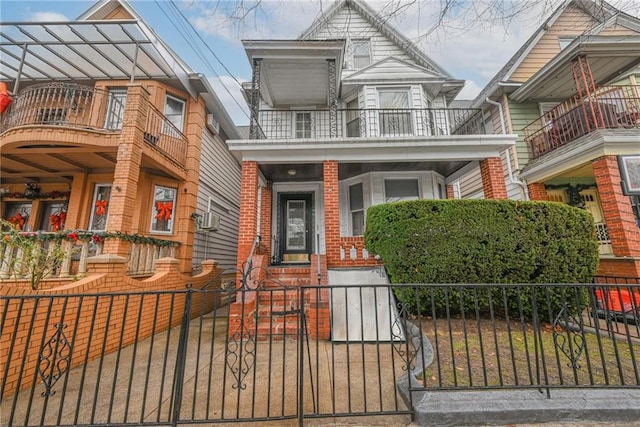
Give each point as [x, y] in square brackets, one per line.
[295, 227]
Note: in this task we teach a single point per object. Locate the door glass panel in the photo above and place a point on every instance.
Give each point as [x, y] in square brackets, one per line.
[296, 225]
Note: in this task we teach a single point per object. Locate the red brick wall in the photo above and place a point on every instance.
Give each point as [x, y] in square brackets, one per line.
[619, 267]
[265, 221]
[493, 178]
[331, 212]
[248, 210]
[537, 191]
[88, 325]
[357, 242]
[450, 192]
[618, 214]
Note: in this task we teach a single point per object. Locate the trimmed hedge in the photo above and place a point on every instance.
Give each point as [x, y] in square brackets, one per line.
[484, 241]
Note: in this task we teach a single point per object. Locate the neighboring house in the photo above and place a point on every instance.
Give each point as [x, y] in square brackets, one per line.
[350, 115]
[571, 95]
[110, 131]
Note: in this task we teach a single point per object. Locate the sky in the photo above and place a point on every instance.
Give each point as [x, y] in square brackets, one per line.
[468, 48]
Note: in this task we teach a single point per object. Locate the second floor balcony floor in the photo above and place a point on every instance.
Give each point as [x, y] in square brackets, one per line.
[98, 111]
[320, 124]
[610, 107]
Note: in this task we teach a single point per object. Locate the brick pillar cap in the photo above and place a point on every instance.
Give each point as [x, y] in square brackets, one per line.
[167, 260]
[106, 259]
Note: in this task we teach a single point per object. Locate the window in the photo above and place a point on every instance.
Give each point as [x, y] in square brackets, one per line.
[100, 207]
[353, 119]
[52, 216]
[164, 206]
[361, 50]
[356, 209]
[394, 121]
[303, 125]
[401, 189]
[17, 213]
[174, 111]
[115, 110]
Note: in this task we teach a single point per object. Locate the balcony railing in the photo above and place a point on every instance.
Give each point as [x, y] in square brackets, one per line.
[163, 135]
[64, 104]
[141, 258]
[368, 123]
[609, 108]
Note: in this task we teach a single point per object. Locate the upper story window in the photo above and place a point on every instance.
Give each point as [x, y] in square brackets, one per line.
[115, 110]
[401, 189]
[395, 118]
[565, 41]
[361, 53]
[303, 124]
[174, 111]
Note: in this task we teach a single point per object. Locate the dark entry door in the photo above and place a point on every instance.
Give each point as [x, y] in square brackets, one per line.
[295, 227]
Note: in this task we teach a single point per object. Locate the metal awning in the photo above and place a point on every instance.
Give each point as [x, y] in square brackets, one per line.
[85, 50]
[608, 57]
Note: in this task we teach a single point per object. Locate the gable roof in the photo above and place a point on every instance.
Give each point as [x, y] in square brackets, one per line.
[384, 27]
[602, 11]
[414, 71]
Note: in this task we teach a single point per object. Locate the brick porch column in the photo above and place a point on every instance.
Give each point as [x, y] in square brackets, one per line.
[127, 170]
[265, 220]
[76, 199]
[450, 192]
[248, 210]
[493, 178]
[537, 191]
[187, 197]
[623, 230]
[331, 212]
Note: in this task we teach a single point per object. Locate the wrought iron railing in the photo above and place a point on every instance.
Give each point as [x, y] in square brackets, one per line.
[369, 123]
[65, 104]
[611, 107]
[165, 136]
[138, 357]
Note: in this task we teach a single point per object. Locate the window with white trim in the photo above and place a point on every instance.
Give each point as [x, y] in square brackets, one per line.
[356, 209]
[100, 207]
[115, 110]
[396, 190]
[393, 120]
[361, 53]
[174, 111]
[303, 122]
[163, 209]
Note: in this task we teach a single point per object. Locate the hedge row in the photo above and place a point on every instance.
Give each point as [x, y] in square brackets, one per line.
[484, 241]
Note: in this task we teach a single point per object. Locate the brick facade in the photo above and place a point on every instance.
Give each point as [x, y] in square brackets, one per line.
[537, 191]
[265, 221]
[248, 210]
[331, 212]
[618, 214]
[493, 182]
[451, 194]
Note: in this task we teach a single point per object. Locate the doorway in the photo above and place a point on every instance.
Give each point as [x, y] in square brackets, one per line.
[296, 227]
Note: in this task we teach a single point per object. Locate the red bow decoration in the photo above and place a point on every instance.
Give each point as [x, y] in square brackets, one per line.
[57, 220]
[18, 221]
[101, 207]
[164, 210]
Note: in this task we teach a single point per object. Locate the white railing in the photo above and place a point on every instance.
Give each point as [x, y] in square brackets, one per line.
[143, 256]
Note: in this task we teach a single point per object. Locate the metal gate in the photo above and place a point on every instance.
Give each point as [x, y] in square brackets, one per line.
[171, 358]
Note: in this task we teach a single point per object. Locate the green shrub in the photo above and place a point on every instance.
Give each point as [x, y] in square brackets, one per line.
[484, 241]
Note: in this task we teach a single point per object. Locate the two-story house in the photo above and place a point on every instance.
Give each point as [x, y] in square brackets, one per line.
[110, 131]
[349, 115]
[571, 93]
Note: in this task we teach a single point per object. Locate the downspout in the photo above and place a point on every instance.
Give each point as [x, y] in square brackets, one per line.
[512, 179]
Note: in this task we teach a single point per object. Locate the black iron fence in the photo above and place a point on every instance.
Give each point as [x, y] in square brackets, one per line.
[279, 353]
[352, 123]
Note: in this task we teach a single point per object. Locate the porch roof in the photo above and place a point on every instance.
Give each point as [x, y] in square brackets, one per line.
[449, 148]
[295, 72]
[608, 57]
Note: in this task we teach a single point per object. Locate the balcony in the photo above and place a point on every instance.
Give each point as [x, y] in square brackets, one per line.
[368, 123]
[73, 106]
[614, 107]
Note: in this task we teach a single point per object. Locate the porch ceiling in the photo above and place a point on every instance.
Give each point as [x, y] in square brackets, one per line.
[608, 57]
[295, 72]
[314, 171]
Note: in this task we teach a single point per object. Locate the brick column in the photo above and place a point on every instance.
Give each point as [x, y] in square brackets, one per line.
[76, 200]
[331, 212]
[537, 191]
[265, 220]
[187, 199]
[493, 178]
[451, 194]
[127, 170]
[248, 210]
[623, 230]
